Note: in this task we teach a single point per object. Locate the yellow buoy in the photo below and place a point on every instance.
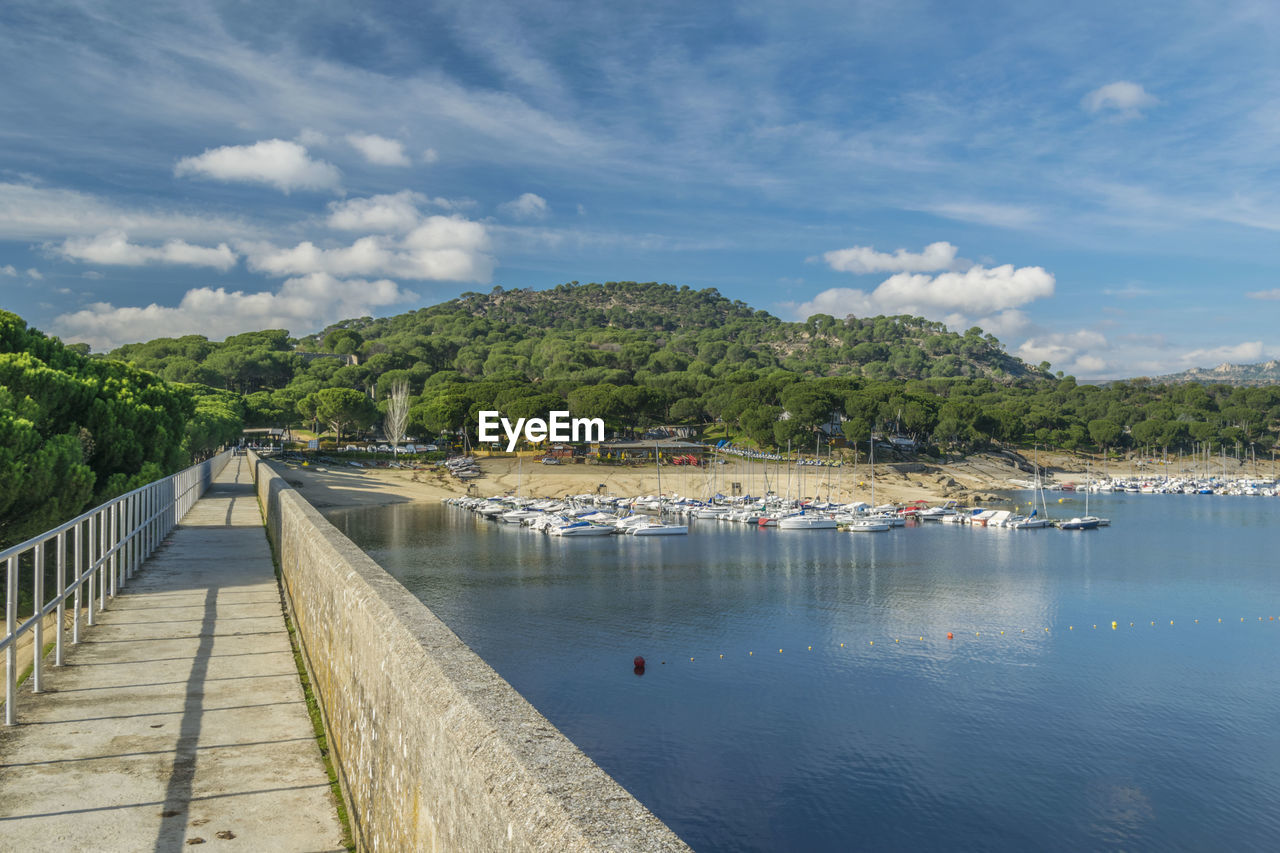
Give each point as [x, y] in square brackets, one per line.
[842, 645]
[1113, 625]
[779, 651]
[922, 639]
[690, 658]
[871, 642]
[895, 639]
[721, 657]
[1002, 633]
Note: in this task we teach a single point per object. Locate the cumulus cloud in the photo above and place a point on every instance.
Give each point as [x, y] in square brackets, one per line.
[528, 206]
[865, 259]
[949, 296]
[378, 149]
[441, 248]
[1058, 348]
[1243, 353]
[35, 274]
[302, 304]
[8, 270]
[1127, 99]
[383, 214]
[279, 163]
[113, 248]
[1264, 294]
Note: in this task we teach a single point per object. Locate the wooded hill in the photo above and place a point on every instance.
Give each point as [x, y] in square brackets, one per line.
[644, 354]
[662, 328]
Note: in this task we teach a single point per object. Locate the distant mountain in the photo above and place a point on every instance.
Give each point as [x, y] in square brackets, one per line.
[1265, 373]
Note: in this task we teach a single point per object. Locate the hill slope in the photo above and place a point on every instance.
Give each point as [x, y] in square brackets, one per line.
[679, 325]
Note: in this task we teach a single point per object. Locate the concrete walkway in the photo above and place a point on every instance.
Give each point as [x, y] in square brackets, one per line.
[180, 715]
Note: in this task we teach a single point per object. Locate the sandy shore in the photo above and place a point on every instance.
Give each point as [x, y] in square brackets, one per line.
[977, 478]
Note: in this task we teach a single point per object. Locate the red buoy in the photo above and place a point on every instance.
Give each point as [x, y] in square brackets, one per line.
[950, 636]
[639, 662]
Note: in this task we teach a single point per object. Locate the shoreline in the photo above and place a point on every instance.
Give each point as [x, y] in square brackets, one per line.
[976, 478]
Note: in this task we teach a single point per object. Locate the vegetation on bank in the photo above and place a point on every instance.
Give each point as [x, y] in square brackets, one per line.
[76, 431]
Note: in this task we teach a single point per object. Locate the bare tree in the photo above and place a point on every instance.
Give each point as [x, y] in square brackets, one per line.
[397, 413]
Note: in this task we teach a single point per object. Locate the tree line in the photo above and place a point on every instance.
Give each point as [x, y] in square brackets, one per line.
[638, 355]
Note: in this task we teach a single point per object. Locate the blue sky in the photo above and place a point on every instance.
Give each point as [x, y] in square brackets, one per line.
[1097, 185]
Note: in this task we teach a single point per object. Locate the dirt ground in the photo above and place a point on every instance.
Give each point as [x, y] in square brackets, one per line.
[977, 478]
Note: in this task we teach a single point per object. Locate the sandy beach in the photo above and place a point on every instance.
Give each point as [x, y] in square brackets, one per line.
[977, 478]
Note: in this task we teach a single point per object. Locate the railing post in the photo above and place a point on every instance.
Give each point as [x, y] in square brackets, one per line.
[61, 614]
[91, 568]
[11, 653]
[37, 640]
[78, 564]
[102, 561]
[114, 540]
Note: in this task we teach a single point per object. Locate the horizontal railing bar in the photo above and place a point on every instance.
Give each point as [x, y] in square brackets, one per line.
[23, 547]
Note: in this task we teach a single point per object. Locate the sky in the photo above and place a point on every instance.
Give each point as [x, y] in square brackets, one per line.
[1097, 184]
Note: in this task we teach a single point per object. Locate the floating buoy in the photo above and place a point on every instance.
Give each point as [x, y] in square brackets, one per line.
[922, 639]
[779, 651]
[976, 634]
[1113, 626]
[950, 636]
[721, 657]
[871, 642]
[691, 659]
[811, 648]
[895, 639]
[1002, 633]
[750, 653]
[638, 662]
[842, 645]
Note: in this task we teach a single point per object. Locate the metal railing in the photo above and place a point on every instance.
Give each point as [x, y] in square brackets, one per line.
[103, 548]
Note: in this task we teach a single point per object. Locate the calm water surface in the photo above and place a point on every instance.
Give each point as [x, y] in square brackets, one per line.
[1140, 738]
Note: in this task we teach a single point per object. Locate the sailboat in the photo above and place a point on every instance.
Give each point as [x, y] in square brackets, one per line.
[1035, 520]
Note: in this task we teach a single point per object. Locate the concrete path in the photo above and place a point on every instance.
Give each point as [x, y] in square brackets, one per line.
[180, 715]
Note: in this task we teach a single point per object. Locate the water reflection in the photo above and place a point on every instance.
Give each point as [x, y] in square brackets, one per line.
[1078, 737]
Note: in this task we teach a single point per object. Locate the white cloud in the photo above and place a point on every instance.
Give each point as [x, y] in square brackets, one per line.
[442, 248]
[30, 212]
[528, 206]
[864, 259]
[301, 305]
[378, 149]
[1128, 99]
[113, 248]
[35, 274]
[1243, 353]
[950, 296]
[8, 270]
[382, 214]
[1006, 324]
[430, 155]
[1264, 294]
[1073, 352]
[280, 163]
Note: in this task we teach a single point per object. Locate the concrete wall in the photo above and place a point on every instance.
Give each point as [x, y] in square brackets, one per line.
[435, 750]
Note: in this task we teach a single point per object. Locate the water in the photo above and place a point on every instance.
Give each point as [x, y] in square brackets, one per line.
[1150, 737]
